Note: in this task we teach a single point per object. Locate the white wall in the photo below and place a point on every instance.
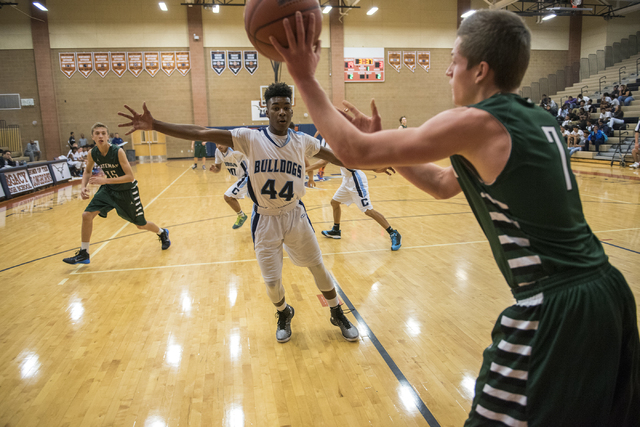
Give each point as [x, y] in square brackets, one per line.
[15, 27]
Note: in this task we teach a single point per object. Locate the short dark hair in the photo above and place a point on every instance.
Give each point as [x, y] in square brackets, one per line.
[277, 89]
[502, 40]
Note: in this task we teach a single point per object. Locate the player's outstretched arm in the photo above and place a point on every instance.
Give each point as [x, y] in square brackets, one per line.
[439, 182]
[216, 167]
[145, 121]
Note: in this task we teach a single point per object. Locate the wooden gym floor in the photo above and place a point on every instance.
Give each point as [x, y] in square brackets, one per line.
[145, 337]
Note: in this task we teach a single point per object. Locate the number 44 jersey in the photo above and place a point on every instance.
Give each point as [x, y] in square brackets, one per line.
[276, 164]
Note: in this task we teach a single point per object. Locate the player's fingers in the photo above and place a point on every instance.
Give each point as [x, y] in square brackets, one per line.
[281, 50]
[300, 28]
[130, 132]
[144, 108]
[124, 125]
[350, 107]
[374, 108]
[291, 38]
[125, 115]
[391, 169]
[311, 37]
[131, 110]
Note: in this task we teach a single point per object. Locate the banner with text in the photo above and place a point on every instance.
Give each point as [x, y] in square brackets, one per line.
[218, 61]
[68, 64]
[409, 60]
[134, 63]
[85, 63]
[393, 57]
[40, 176]
[152, 63]
[424, 60]
[183, 61]
[119, 63]
[18, 182]
[101, 62]
[168, 62]
[250, 60]
[235, 61]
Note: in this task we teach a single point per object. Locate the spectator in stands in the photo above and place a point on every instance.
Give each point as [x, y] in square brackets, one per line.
[82, 142]
[604, 127]
[583, 121]
[615, 92]
[625, 96]
[571, 102]
[605, 113]
[605, 99]
[403, 122]
[75, 165]
[590, 107]
[117, 141]
[563, 112]
[636, 149]
[576, 137]
[597, 138]
[111, 138]
[617, 118]
[6, 160]
[589, 126]
[567, 122]
[72, 141]
[32, 151]
[581, 98]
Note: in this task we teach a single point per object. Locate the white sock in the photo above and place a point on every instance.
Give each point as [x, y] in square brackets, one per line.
[282, 307]
[85, 246]
[161, 231]
[333, 302]
[240, 213]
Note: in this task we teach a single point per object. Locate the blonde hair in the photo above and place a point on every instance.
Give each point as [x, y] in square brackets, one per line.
[99, 125]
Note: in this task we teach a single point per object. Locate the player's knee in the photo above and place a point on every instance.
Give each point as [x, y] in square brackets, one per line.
[335, 203]
[140, 227]
[87, 216]
[322, 277]
[275, 290]
[227, 198]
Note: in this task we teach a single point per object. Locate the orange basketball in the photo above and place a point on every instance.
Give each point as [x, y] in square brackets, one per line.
[263, 18]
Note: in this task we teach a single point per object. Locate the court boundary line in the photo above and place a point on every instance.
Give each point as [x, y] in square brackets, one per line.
[620, 247]
[395, 370]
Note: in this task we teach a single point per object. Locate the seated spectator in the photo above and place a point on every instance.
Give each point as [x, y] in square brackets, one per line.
[571, 102]
[32, 151]
[590, 107]
[636, 149]
[567, 122]
[576, 140]
[75, 165]
[605, 113]
[617, 118]
[566, 133]
[6, 160]
[563, 112]
[597, 138]
[604, 127]
[589, 126]
[625, 96]
[615, 92]
[583, 121]
[581, 98]
[82, 142]
[117, 141]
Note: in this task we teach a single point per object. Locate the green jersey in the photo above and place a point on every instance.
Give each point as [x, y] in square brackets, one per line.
[110, 164]
[532, 213]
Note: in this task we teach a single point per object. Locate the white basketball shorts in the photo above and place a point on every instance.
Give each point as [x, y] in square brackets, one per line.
[238, 190]
[354, 189]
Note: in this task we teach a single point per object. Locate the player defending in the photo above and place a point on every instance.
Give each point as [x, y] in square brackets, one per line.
[118, 190]
[236, 164]
[276, 157]
[199, 151]
[355, 189]
[568, 352]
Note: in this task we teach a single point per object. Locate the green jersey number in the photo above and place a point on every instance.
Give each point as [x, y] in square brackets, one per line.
[111, 174]
[552, 136]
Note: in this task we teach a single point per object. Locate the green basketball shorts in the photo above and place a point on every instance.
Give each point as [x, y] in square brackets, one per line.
[200, 151]
[567, 356]
[126, 203]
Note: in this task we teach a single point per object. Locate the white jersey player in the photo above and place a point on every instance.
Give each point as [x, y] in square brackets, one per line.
[236, 164]
[275, 184]
[355, 189]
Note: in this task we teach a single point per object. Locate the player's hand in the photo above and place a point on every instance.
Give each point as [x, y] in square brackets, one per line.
[360, 120]
[311, 183]
[302, 55]
[84, 193]
[138, 121]
[386, 170]
[98, 180]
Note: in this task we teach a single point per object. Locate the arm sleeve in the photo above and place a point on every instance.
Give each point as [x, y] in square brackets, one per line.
[242, 140]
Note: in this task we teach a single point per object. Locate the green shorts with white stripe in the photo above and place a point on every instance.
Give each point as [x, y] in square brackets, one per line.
[126, 203]
[567, 356]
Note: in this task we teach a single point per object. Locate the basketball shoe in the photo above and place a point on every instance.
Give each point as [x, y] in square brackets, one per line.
[81, 257]
[239, 221]
[332, 234]
[195, 165]
[164, 238]
[283, 330]
[349, 332]
[396, 240]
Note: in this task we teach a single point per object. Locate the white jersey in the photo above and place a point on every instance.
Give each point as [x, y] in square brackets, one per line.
[276, 164]
[234, 161]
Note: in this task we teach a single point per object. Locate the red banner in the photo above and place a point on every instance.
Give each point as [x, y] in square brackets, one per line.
[85, 63]
[68, 64]
[119, 63]
[134, 63]
[101, 63]
[152, 63]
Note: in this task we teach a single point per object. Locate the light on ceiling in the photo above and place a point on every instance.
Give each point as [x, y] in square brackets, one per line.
[326, 9]
[547, 17]
[372, 10]
[39, 6]
[216, 9]
[163, 6]
[468, 13]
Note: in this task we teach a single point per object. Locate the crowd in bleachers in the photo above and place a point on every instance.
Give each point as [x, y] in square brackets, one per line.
[584, 122]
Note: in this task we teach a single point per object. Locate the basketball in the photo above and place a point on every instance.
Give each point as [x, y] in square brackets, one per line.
[263, 18]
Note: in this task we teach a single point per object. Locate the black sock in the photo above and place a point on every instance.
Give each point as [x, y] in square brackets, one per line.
[390, 230]
[336, 227]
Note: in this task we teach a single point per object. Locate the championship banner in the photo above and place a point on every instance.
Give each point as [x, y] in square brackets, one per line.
[218, 61]
[60, 171]
[183, 62]
[152, 63]
[85, 63]
[40, 176]
[235, 61]
[18, 182]
[101, 62]
[250, 60]
[68, 64]
[134, 63]
[168, 62]
[409, 60]
[119, 63]
[424, 60]
[393, 57]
